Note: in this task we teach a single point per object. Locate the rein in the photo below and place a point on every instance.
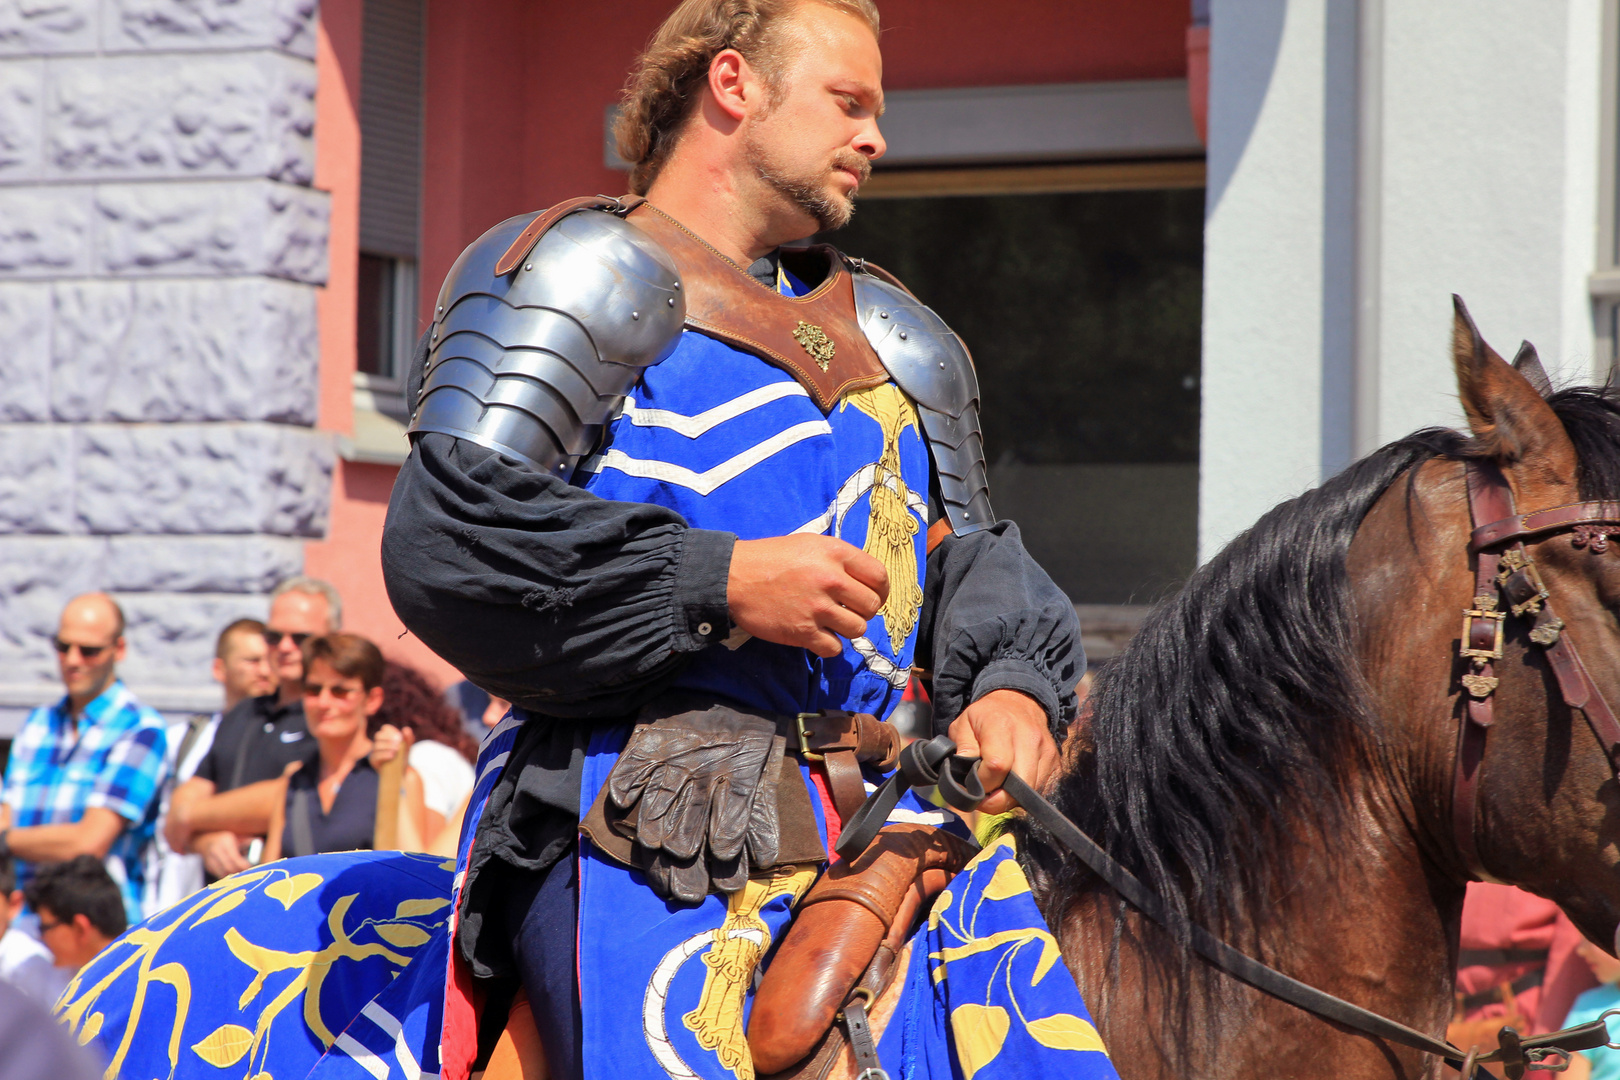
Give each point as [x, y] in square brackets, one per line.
[1500, 575]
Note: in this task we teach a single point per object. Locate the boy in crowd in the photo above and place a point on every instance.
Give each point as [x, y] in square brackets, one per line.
[243, 670]
[24, 962]
[79, 907]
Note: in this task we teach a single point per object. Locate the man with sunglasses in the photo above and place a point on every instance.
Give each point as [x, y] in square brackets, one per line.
[237, 785]
[84, 773]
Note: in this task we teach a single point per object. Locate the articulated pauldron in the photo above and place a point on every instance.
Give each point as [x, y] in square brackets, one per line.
[533, 363]
[931, 364]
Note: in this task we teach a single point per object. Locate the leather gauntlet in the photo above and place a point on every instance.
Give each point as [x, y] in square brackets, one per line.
[850, 912]
[697, 791]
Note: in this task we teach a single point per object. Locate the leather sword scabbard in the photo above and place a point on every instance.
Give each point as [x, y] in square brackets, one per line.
[852, 911]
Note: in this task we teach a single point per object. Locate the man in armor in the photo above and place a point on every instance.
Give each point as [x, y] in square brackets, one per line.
[695, 500]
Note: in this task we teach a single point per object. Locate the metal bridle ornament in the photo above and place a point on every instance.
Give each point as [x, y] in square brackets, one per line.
[1505, 573]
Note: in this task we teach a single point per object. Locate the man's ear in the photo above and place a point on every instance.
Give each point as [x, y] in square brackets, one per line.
[1511, 422]
[729, 82]
[14, 903]
[219, 670]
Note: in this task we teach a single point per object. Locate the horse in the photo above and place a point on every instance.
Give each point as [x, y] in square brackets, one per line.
[1273, 753]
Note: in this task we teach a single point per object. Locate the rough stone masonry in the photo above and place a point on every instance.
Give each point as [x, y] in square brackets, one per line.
[160, 249]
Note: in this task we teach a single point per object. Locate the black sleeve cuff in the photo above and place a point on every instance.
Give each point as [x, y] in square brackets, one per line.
[701, 617]
[1027, 679]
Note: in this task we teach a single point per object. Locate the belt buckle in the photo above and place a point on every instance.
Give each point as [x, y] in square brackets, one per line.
[804, 736]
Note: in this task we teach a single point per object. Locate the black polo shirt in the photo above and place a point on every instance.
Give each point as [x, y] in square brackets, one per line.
[348, 826]
[256, 741]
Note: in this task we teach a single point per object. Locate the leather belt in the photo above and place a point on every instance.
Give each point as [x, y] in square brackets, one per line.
[842, 741]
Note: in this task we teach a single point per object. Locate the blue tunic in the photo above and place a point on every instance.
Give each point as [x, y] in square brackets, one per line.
[732, 443]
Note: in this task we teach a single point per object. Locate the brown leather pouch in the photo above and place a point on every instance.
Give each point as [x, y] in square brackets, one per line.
[853, 911]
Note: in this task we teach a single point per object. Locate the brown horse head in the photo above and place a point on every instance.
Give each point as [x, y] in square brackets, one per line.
[1548, 817]
[1274, 753]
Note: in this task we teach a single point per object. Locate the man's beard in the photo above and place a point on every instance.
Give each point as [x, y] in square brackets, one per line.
[812, 194]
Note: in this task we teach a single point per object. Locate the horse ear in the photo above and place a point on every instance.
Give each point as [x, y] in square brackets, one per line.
[1511, 421]
[1528, 364]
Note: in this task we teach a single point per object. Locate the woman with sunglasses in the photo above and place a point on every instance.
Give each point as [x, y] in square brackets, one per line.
[331, 802]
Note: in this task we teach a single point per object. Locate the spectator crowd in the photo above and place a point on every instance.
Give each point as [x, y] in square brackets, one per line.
[110, 813]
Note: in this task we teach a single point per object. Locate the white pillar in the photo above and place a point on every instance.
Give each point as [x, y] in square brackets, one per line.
[1477, 175]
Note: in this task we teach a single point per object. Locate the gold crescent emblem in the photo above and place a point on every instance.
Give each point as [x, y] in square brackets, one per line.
[815, 342]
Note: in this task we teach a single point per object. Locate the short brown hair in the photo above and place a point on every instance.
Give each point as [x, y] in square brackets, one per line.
[240, 626]
[350, 655]
[672, 70]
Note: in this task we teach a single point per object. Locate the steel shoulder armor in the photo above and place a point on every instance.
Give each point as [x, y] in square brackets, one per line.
[931, 364]
[533, 363]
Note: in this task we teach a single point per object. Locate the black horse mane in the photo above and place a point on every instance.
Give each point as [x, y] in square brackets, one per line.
[1237, 707]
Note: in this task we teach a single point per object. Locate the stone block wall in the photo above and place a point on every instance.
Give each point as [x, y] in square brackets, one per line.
[160, 250]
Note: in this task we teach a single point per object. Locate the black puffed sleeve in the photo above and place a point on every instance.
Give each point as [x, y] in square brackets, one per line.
[993, 620]
[542, 593]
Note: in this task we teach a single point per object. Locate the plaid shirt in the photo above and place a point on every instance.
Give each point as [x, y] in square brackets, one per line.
[115, 762]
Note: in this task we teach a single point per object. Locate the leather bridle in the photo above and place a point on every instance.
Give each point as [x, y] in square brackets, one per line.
[1503, 573]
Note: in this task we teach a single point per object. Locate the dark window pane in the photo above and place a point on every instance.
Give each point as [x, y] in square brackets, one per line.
[1083, 314]
[374, 321]
[1082, 311]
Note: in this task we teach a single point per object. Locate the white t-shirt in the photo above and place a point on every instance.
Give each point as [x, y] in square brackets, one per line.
[447, 777]
[170, 875]
[27, 965]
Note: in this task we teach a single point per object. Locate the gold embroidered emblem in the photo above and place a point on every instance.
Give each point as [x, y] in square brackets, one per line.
[816, 343]
[891, 530]
[739, 945]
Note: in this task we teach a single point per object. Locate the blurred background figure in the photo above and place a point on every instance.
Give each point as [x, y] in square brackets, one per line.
[1602, 1063]
[331, 800]
[228, 803]
[84, 774]
[79, 908]
[1518, 967]
[25, 963]
[442, 753]
[242, 668]
[479, 710]
[34, 1047]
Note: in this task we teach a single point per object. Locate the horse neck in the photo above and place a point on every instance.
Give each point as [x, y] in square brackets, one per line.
[1368, 913]
[1362, 917]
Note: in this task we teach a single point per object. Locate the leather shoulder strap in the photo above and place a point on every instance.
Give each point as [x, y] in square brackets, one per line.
[532, 233]
[300, 821]
[816, 338]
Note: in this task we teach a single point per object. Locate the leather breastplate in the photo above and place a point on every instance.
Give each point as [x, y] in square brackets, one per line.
[816, 338]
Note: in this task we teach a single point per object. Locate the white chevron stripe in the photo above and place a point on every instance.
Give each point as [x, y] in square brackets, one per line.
[362, 1056]
[693, 426]
[707, 481]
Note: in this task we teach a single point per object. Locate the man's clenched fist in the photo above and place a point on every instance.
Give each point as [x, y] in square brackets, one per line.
[804, 590]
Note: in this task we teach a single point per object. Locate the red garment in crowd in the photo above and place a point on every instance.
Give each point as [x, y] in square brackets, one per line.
[1497, 917]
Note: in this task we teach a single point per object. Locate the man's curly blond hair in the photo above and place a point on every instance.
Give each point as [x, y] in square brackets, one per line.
[672, 71]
